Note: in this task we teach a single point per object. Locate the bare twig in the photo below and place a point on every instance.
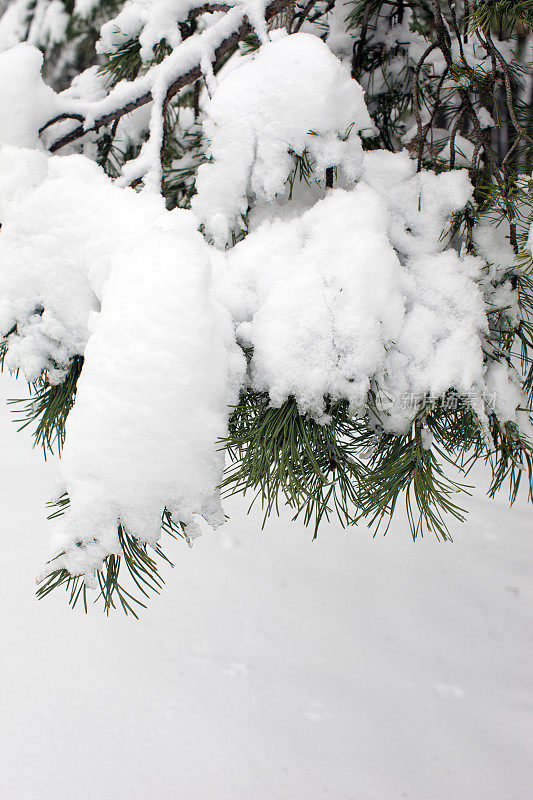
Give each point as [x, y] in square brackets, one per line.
[509, 154]
[443, 36]
[456, 30]
[416, 103]
[453, 134]
[508, 89]
[303, 15]
[465, 21]
[64, 115]
[196, 100]
[358, 54]
[475, 156]
[436, 107]
[109, 144]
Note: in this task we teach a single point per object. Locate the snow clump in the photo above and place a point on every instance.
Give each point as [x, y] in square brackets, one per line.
[292, 95]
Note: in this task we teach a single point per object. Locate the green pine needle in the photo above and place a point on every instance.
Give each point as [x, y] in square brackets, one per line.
[127, 592]
[489, 14]
[48, 408]
[277, 452]
[349, 469]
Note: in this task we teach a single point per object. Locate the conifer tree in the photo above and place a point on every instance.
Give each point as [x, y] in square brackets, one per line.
[276, 249]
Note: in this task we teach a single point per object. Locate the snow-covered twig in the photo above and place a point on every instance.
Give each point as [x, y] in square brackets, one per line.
[180, 68]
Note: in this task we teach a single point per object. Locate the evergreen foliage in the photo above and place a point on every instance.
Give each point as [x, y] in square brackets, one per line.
[48, 408]
[349, 467]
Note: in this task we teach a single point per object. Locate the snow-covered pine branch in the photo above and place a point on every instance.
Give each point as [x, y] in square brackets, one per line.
[188, 62]
[215, 245]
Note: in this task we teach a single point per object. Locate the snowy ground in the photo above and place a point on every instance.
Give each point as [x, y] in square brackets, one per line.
[272, 667]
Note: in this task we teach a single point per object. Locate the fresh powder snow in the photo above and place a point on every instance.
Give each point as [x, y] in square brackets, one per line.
[152, 399]
[355, 290]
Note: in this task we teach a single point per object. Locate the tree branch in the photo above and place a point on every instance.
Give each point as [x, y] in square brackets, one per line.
[508, 90]
[303, 15]
[191, 75]
[416, 103]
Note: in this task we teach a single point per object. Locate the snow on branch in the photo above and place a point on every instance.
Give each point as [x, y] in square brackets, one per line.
[364, 314]
[292, 97]
[191, 60]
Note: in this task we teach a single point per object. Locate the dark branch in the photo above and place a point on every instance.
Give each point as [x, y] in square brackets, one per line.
[192, 75]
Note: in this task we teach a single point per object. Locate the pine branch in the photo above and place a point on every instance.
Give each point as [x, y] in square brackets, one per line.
[277, 452]
[49, 406]
[144, 96]
[142, 570]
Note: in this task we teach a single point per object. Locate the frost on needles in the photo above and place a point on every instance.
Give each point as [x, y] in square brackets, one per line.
[305, 305]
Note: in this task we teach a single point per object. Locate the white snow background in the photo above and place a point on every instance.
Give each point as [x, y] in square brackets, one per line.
[272, 667]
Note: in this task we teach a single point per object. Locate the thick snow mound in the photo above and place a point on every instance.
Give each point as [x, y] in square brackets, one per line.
[65, 223]
[292, 95]
[319, 298]
[26, 103]
[152, 399]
